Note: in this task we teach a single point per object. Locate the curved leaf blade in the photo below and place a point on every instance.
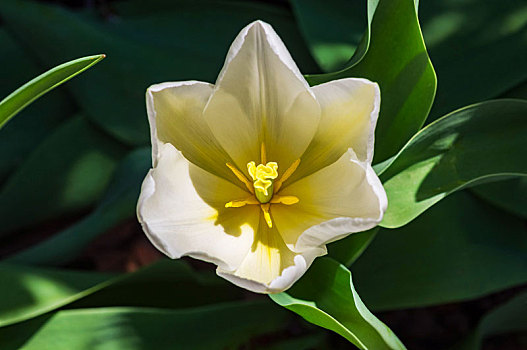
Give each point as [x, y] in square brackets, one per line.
[326, 297]
[334, 30]
[407, 81]
[482, 142]
[227, 326]
[460, 249]
[29, 292]
[45, 82]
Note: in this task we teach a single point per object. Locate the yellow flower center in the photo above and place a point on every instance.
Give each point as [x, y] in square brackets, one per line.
[263, 188]
[263, 176]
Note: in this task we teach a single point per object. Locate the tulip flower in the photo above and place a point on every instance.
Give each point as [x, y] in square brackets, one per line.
[260, 171]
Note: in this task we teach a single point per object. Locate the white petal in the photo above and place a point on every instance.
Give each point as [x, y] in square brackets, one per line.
[175, 112]
[340, 199]
[181, 209]
[296, 267]
[260, 96]
[350, 108]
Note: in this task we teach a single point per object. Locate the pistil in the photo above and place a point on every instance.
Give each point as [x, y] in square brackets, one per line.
[264, 188]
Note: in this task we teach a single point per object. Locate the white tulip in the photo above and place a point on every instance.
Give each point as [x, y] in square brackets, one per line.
[258, 172]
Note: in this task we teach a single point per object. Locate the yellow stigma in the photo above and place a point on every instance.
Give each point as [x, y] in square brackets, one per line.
[264, 189]
[263, 176]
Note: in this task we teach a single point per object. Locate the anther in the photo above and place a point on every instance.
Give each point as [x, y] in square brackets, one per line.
[241, 202]
[241, 177]
[267, 215]
[287, 200]
[286, 175]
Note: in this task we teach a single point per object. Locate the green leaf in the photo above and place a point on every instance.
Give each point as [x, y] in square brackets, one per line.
[349, 249]
[397, 60]
[326, 297]
[510, 195]
[222, 326]
[333, 29]
[67, 172]
[20, 136]
[478, 49]
[143, 48]
[506, 318]
[45, 82]
[118, 204]
[460, 249]
[479, 142]
[28, 292]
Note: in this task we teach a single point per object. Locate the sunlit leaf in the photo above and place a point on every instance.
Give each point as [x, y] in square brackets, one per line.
[227, 326]
[118, 204]
[479, 142]
[397, 60]
[38, 86]
[460, 249]
[20, 136]
[326, 297]
[28, 292]
[67, 172]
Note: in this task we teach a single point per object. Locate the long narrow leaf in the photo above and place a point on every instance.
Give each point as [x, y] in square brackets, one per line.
[220, 326]
[45, 82]
[482, 142]
[326, 297]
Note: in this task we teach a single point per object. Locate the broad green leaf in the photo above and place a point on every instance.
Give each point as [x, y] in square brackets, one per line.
[173, 40]
[347, 250]
[326, 297]
[478, 49]
[397, 60]
[67, 172]
[333, 29]
[506, 318]
[118, 204]
[20, 136]
[45, 82]
[484, 141]
[460, 249]
[28, 292]
[510, 195]
[221, 326]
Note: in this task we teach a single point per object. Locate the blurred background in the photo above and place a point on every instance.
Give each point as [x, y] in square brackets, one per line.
[71, 164]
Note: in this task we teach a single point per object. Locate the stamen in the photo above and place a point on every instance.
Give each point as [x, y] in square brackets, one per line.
[263, 176]
[286, 175]
[241, 177]
[263, 155]
[241, 202]
[287, 200]
[267, 216]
